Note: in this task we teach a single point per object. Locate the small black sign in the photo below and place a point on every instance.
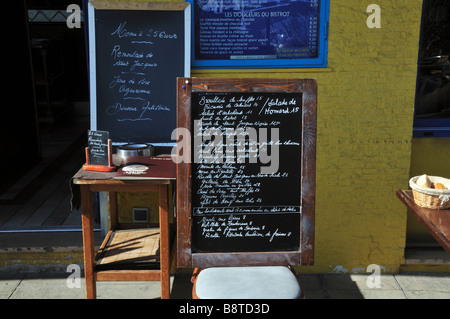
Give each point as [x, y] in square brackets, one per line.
[98, 148]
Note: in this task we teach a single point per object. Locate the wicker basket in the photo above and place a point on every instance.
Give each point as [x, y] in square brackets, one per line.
[430, 197]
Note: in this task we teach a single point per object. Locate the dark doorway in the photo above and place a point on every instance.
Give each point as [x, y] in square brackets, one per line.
[47, 119]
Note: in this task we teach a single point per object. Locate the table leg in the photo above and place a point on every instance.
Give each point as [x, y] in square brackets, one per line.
[113, 215]
[88, 240]
[164, 244]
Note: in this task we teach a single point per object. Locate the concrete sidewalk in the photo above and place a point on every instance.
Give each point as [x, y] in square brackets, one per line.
[316, 286]
[50, 282]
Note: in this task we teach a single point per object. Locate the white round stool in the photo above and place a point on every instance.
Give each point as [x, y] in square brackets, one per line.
[262, 282]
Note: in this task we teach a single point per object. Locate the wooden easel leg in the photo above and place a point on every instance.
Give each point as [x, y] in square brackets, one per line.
[164, 244]
[88, 241]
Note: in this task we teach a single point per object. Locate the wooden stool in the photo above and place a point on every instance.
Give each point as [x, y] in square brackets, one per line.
[262, 282]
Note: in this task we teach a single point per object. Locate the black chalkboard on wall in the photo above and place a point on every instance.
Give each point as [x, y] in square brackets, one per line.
[246, 194]
[137, 50]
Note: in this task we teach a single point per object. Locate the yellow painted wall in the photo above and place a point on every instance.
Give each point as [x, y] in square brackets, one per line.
[127, 201]
[364, 133]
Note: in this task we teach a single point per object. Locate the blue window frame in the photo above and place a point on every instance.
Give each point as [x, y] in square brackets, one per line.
[259, 33]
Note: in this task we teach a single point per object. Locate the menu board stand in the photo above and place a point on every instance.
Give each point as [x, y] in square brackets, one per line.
[245, 172]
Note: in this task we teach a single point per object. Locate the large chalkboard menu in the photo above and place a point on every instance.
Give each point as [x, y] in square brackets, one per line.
[137, 50]
[246, 33]
[246, 191]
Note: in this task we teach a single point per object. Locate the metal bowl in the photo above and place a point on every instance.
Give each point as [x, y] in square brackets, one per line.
[135, 150]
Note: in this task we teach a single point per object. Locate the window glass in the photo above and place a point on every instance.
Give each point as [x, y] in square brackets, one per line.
[432, 112]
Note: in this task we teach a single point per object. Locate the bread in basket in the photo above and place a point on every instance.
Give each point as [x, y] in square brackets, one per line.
[430, 197]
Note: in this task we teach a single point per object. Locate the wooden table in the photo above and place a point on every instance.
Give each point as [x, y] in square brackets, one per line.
[95, 271]
[436, 222]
